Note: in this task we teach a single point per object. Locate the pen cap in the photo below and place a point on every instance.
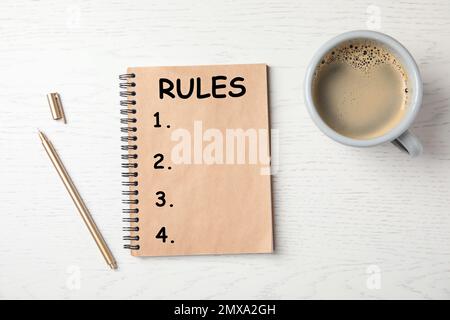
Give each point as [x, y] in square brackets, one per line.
[54, 101]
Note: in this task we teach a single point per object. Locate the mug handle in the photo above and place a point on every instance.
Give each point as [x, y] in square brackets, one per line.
[409, 143]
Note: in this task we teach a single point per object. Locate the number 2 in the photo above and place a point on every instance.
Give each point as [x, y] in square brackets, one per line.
[160, 158]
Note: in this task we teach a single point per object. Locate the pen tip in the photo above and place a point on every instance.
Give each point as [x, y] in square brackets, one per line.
[41, 134]
[113, 265]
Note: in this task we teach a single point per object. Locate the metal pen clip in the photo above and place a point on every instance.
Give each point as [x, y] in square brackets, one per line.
[54, 100]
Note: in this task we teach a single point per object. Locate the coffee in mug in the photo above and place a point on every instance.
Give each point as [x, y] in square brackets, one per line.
[360, 89]
[363, 88]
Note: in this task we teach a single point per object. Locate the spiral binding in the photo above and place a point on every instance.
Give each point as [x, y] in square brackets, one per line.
[131, 174]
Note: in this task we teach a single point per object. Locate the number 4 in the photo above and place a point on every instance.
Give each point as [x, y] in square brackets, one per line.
[162, 234]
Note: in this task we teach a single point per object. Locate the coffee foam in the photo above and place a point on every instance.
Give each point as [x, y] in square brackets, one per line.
[362, 55]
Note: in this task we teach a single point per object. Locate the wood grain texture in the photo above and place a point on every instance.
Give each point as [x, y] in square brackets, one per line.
[338, 210]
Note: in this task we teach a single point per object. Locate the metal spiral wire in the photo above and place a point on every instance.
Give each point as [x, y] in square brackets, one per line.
[130, 161]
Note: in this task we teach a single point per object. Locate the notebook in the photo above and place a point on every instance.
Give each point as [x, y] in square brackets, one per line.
[197, 160]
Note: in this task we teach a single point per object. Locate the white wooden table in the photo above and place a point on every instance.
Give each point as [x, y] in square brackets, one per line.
[349, 223]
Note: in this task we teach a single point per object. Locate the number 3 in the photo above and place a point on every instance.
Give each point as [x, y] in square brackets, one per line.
[161, 197]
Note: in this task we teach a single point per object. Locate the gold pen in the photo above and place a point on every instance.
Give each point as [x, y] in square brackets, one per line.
[87, 218]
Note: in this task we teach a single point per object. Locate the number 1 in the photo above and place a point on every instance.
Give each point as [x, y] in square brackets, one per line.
[157, 124]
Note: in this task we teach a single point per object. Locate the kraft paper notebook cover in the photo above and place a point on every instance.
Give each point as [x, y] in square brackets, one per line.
[197, 160]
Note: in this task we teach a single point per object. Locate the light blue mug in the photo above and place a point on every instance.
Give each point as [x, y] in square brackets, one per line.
[399, 135]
